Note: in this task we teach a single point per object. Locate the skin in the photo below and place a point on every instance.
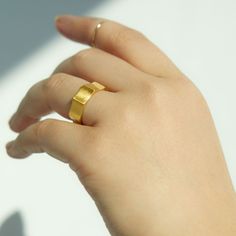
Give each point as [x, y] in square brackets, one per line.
[147, 152]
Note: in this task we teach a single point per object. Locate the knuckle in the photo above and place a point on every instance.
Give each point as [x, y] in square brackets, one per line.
[193, 92]
[126, 35]
[42, 129]
[82, 55]
[163, 93]
[189, 90]
[127, 115]
[150, 90]
[54, 82]
[97, 143]
[182, 82]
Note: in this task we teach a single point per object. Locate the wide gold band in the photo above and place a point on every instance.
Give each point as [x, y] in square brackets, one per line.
[81, 98]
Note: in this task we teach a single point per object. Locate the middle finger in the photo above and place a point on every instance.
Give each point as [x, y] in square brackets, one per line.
[96, 65]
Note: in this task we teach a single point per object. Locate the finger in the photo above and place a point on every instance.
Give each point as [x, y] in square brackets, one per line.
[96, 65]
[63, 140]
[121, 41]
[55, 94]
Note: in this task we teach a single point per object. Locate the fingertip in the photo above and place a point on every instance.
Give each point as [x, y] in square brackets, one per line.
[18, 124]
[12, 124]
[67, 17]
[10, 121]
[64, 22]
[9, 145]
[15, 152]
[72, 27]
[10, 150]
[56, 19]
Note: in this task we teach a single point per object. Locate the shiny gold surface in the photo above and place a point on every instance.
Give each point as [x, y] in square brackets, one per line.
[98, 26]
[81, 98]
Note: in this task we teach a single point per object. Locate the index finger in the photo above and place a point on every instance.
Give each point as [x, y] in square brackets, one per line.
[119, 40]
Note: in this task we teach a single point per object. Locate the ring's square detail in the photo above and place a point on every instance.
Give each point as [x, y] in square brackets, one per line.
[81, 98]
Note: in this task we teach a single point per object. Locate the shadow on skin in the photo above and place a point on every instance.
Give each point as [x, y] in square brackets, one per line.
[26, 25]
[12, 226]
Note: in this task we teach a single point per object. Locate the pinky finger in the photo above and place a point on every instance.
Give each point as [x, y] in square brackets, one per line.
[63, 140]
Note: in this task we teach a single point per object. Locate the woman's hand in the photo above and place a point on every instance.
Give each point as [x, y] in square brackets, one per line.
[148, 152]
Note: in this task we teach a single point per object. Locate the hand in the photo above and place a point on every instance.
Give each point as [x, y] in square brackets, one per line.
[147, 152]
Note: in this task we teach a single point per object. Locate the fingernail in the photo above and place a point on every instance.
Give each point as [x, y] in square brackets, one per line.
[64, 20]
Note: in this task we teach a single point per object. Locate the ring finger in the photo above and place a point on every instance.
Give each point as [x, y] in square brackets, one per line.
[55, 94]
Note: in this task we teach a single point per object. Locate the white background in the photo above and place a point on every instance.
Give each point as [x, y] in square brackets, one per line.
[41, 196]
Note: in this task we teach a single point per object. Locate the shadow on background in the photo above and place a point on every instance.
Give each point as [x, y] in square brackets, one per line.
[12, 226]
[26, 25]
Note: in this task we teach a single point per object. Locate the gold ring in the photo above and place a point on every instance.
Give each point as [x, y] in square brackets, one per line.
[81, 98]
[98, 26]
